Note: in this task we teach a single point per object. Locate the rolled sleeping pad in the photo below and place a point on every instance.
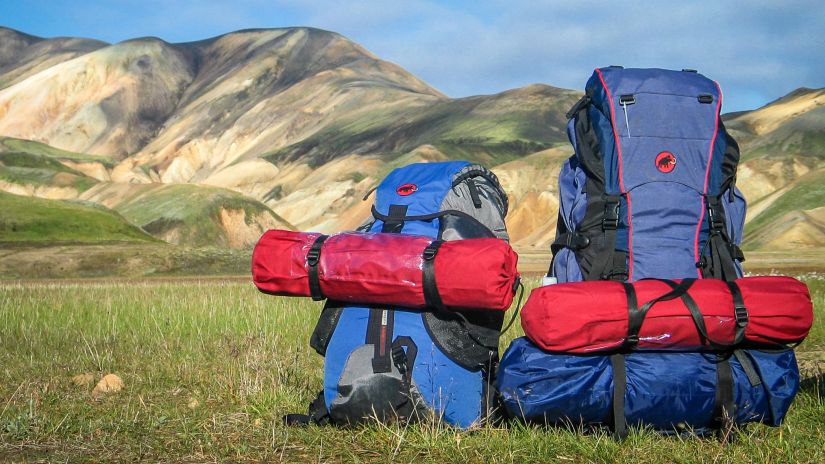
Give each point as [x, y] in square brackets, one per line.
[593, 316]
[390, 269]
[669, 391]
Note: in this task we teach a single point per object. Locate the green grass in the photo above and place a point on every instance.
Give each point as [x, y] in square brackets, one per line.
[37, 220]
[194, 210]
[244, 357]
[39, 170]
[37, 148]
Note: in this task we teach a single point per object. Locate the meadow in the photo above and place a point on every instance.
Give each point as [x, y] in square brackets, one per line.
[211, 365]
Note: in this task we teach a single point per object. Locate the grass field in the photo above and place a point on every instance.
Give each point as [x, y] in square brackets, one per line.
[210, 366]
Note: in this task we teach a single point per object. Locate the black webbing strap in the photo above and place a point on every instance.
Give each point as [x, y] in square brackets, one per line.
[471, 185]
[379, 334]
[313, 258]
[724, 407]
[404, 361]
[318, 413]
[748, 368]
[431, 296]
[394, 222]
[637, 318]
[573, 240]
[722, 257]
[740, 312]
[604, 263]
[619, 389]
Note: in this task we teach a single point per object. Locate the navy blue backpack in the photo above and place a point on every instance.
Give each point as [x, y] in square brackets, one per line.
[390, 363]
[651, 190]
[649, 193]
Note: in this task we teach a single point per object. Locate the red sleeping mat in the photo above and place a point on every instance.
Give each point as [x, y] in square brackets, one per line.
[377, 268]
[585, 317]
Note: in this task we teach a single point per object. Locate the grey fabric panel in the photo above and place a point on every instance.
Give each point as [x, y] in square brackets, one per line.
[493, 204]
[363, 394]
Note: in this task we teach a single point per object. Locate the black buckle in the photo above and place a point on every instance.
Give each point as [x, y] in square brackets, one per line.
[399, 358]
[714, 222]
[313, 256]
[742, 317]
[611, 216]
[627, 99]
[431, 250]
[632, 340]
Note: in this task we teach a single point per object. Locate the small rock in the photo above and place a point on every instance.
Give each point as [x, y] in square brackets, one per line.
[193, 403]
[84, 380]
[110, 383]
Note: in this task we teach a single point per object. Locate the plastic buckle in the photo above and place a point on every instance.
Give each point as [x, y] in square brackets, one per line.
[431, 250]
[313, 256]
[611, 216]
[399, 358]
[632, 340]
[742, 317]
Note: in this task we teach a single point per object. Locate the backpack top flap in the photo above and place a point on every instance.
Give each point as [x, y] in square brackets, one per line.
[448, 200]
[665, 125]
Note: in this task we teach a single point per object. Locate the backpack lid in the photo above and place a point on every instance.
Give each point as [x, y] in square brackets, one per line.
[424, 187]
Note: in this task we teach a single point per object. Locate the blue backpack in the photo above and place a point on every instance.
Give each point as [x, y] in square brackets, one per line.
[650, 191]
[389, 363]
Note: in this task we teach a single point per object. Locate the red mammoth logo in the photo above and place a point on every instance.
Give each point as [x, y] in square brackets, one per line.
[406, 189]
[666, 162]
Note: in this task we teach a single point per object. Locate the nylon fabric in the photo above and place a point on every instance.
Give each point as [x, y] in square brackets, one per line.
[563, 388]
[563, 318]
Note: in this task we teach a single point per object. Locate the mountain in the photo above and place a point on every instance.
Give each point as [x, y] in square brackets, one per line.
[303, 120]
[211, 142]
[782, 170]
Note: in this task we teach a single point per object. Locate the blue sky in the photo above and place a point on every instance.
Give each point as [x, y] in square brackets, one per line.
[757, 50]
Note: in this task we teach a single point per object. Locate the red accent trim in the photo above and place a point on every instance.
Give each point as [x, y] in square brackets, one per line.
[621, 177]
[707, 177]
[382, 340]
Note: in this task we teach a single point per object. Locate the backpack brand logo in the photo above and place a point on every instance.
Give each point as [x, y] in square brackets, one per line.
[666, 162]
[406, 189]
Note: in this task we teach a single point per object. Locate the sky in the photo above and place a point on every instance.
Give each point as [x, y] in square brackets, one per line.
[757, 50]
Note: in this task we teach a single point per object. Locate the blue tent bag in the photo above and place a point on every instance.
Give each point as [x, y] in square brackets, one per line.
[538, 386]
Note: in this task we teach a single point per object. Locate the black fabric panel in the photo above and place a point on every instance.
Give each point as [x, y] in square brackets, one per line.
[452, 335]
[731, 160]
[463, 227]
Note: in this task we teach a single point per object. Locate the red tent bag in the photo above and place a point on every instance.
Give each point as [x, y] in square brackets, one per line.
[391, 269]
[585, 317]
